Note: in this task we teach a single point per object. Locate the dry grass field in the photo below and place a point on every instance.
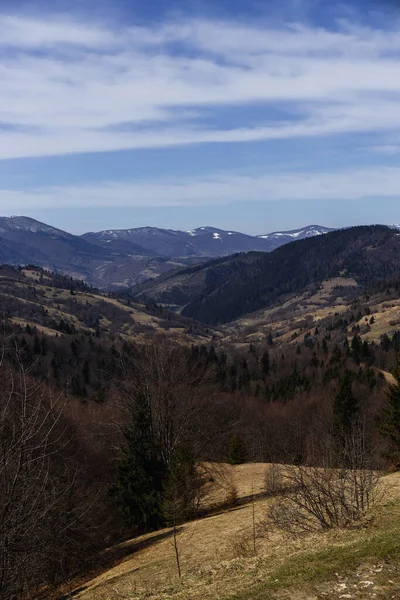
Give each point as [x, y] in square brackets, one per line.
[387, 319]
[35, 302]
[301, 314]
[296, 316]
[218, 559]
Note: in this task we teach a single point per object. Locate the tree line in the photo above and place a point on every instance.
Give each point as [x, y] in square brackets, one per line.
[79, 471]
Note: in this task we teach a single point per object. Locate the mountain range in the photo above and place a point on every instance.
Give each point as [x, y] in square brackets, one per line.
[114, 259]
[222, 290]
[207, 242]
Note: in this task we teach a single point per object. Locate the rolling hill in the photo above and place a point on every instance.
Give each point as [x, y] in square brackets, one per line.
[115, 259]
[57, 305]
[26, 241]
[221, 291]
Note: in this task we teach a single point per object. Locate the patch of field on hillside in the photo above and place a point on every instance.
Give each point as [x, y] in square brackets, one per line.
[297, 316]
[218, 561]
[33, 300]
[41, 328]
[386, 320]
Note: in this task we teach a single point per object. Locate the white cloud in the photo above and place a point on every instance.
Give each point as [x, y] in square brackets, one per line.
[213, 190]
[68, 86]
[23, 32]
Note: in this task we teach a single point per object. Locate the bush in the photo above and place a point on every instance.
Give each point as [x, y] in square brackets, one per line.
[242, 545]
[274, 480]
[321, 498]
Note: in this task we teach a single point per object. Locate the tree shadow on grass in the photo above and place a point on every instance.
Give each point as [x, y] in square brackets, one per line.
[113, 556]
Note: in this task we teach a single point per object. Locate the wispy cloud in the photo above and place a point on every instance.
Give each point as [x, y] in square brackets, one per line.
[213, 190]
[69, 86]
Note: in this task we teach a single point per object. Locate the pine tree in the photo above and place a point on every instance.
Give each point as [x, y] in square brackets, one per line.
[36, 345]
[314, 360]
[142, 475]
[86, 371]
[356, 348]
[237, 453]
[265, 363]
[390, 424]
[345, 408]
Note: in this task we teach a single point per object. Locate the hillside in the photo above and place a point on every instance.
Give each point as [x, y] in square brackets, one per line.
[218, 561]
[26, 241]
[266, 387]
[118, 259]
[186, 286]
[222, 292]
[57, 305]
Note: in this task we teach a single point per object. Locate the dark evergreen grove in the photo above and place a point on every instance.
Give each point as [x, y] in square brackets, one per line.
[390, 422]
[345, 407]
[142, 475]
[237, 453]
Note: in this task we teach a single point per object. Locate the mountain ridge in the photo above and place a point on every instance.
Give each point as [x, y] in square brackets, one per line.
[116, 259]
[206, 241]
[222, 291]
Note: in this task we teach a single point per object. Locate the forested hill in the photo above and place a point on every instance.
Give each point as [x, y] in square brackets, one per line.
[366, 253]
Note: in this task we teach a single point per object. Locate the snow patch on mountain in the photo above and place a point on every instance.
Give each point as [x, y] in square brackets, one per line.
[17, 223]
[305, 232]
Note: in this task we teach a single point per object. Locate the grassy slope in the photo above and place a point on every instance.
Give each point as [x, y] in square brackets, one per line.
[217, 561]
[130, 322]
[302, 313]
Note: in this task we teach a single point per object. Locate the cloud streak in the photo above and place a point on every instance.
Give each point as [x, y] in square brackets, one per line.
[69, 86]
[220, 189]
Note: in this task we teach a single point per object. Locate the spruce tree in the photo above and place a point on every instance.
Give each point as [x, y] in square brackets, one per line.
[265, 363]
[142, 475]
[237, 453]
[390, 423]
[345, 408]
[356, 348]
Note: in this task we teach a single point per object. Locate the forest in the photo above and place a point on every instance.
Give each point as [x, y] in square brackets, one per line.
[102, 434]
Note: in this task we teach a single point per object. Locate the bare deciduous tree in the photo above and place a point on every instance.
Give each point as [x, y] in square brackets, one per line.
[326, 496]
[37, 486]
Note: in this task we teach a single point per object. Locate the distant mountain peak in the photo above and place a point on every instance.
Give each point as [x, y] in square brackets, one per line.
[297, 234]
[126, 256]
[203, 242]
[21, 223]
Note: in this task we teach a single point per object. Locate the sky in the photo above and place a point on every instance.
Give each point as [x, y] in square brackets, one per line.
[253, 116]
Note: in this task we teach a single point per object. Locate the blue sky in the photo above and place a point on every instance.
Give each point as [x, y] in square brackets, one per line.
[254, 116]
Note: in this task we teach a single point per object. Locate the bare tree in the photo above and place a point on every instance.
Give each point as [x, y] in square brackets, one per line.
[326, 496]
[166, 412]
[179, 398]
[253, 519]
[36, 484]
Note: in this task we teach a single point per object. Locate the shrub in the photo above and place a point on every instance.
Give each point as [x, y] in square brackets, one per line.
[274, 480]
[321, 498]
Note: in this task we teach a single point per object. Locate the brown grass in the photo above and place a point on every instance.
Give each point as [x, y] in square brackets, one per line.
[215, 555]
[288, 316]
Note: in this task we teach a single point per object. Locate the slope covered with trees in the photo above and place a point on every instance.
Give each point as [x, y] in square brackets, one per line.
[108, 427]
[219, 292]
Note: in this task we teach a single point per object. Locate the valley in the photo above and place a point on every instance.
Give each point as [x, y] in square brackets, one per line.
[199, 300]
[186, 437]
